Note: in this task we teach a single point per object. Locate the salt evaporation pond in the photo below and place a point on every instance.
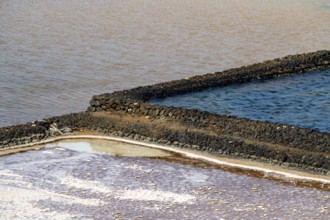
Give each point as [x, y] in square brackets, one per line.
[55, 55]
[72, 179]
[301, 100]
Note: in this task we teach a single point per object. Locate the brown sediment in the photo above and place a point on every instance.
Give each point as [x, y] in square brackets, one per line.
[19, 149]
[129, 148]
[272, 173]
[127, 114]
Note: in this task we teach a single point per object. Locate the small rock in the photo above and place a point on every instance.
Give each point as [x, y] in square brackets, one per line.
[157, 112]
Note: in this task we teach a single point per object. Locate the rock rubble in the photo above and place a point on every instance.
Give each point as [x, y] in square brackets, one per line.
[128, 114]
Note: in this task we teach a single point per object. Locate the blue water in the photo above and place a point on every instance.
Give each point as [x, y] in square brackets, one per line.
[55, 55]
[302, 100]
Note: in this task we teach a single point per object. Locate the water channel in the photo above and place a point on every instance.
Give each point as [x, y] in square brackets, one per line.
[55, 55]
[301, 100]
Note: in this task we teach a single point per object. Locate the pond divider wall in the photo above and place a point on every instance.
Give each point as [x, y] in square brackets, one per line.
[288, 145]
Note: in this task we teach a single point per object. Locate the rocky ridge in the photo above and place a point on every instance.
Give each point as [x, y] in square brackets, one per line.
[128, 114]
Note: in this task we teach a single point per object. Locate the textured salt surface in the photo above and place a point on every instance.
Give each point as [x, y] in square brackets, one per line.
[55, 182]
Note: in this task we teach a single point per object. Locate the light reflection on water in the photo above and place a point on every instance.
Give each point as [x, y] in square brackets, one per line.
[301, 100]
[54, 55]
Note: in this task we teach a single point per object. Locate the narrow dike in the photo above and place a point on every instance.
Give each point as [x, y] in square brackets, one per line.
[128, 114]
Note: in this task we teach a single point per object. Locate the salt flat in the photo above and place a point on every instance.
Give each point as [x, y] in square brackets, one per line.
[61, 183]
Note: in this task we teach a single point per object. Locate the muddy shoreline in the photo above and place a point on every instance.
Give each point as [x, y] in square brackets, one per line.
[128, 114]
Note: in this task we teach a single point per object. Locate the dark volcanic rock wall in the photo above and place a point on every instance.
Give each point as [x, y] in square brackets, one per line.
[216, 134]
[306, 140]
[266, 70]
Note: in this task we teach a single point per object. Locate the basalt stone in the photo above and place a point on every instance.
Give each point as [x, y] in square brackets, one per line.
[199, 130]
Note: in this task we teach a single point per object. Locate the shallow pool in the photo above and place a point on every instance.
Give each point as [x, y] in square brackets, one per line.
[69, 179]
[302, 100]
[113, 148]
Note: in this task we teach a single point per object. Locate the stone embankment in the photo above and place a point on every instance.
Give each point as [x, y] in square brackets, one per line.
[128, 114]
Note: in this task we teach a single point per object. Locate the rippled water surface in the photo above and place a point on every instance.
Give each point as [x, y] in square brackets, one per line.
[54, 55]
[301, 100]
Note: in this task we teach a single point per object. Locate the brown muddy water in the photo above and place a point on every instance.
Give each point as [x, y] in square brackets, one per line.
[54, 55]
[98, 179]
